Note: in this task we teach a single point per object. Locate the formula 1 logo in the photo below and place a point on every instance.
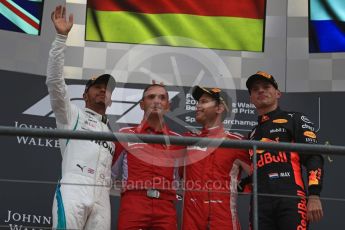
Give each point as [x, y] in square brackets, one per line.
[125, 104]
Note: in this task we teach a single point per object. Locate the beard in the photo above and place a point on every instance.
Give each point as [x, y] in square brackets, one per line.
[105, 102]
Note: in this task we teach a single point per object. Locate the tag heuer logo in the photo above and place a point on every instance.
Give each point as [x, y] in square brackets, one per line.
[125, 104]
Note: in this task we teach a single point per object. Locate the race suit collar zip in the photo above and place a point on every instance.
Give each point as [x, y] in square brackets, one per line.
[102, 118]
[145, 128]
[268, 116]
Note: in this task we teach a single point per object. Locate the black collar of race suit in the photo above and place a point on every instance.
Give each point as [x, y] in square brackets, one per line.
[268, 116]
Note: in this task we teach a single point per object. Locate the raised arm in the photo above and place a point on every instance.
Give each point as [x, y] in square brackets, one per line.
[55, 82]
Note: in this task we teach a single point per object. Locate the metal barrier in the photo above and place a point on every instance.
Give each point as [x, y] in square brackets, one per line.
[174, 140]
[184, 141]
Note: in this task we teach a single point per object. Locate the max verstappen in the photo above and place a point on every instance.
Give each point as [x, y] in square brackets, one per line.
[292, 205]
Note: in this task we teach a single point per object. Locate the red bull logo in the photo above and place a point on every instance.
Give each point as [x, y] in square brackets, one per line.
[314, 177]
[264, 74]
[302, 211]
[216, 90]
[268, 158]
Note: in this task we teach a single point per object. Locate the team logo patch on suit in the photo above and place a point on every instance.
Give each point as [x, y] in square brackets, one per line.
[309, 134]
[314, 177]
[280, 121]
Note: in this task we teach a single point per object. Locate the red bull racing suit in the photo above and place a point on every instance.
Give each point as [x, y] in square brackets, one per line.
[211, 176]
[280, 173]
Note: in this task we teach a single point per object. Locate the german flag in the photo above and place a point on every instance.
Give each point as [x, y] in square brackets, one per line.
[215, 24]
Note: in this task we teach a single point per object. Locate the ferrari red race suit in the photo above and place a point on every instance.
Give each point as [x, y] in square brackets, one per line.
[280, 173]
[149, 181]
[211, 177]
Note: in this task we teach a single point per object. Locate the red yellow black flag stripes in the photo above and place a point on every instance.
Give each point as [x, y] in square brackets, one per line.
[218, 24]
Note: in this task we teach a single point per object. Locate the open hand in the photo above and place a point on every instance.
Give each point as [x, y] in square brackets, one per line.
[58, 17]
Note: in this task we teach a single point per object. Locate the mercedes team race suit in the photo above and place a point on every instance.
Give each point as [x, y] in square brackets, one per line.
[280, 172]
[82, 197]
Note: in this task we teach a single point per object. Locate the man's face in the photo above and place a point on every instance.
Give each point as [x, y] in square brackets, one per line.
[264, 95]
[155, 102]
[98, 94]
[207, 109]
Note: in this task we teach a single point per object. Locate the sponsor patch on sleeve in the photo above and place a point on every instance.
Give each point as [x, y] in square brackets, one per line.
[309, 134]
[314, 177]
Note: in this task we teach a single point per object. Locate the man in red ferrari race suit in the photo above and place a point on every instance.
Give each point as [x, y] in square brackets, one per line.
[279, 172]
[148, 171]
[212, 173]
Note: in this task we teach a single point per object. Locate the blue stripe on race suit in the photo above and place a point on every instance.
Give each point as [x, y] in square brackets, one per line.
[60, 209]
[74, 128]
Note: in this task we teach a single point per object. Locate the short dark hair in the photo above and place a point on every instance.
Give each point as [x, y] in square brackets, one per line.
[153, 85]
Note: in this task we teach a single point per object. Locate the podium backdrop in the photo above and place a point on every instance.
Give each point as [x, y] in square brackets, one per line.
[30, 166]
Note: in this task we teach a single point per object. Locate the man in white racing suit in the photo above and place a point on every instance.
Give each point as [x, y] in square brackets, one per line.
[82, 197]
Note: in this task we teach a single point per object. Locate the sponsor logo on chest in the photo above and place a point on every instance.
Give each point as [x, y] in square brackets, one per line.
[278, 130]
[107, 145]
[269, 158]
